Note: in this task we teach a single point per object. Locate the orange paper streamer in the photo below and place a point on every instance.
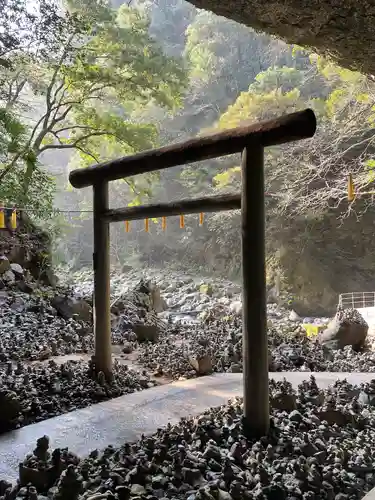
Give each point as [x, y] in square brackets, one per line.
[164, 223]
[182, 221]
[127, 226]
[200, 218]
[146, 225]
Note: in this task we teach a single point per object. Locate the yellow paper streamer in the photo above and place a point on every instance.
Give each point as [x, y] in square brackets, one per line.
[13, 220]
[2, 217]
[182, 222]
[351, 189]
[127, 226]
[201, 219]
[146, 225]
[164, 223]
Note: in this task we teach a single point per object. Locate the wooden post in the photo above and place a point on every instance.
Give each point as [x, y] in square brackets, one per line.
[255, 348]
[102, 320]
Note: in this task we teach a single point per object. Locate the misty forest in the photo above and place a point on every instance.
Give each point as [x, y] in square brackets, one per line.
[104, 81]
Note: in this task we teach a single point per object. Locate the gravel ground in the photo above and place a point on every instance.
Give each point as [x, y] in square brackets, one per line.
[319, 447]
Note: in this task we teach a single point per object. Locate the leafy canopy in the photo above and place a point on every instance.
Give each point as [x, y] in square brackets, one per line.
[82, 96]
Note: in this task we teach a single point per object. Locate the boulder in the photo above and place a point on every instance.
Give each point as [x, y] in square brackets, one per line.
[293, 316]
[3, 297]
[50, 278]
[284, 402]
[19, 255]
[347, 328]
[25, 287]
[201, 364]
[44, 354]
[126, 268]
[4, 264]
[68, 307]
[235, 368]
[236, 307]
[158, 304]
[18, 305]
[9, 277]
[146, 332]
[17, 269]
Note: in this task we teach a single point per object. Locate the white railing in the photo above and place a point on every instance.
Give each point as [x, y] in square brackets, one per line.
[357, 300]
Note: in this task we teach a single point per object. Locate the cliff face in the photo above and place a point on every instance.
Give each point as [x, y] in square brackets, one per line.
[343, 29]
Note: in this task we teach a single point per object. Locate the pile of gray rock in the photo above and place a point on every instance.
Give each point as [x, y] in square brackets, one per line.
[44, 323]
[31, 328]
[31, 393]
[217, 344]
[319, 447]
[181, 328]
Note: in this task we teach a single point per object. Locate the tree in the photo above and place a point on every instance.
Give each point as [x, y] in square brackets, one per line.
[32, 27]
[310, 177]
[106, 66]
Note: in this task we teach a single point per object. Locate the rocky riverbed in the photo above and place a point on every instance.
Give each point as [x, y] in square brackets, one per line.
[319, 447]
[195, 331]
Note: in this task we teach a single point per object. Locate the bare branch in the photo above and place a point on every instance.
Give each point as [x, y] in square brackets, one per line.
[73, 145]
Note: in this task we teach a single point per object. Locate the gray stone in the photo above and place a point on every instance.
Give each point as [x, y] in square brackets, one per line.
[25, 286]
[146, 332]
[157, 302]
[18, 304]
[343, 331]
[201, 364]
[137, 490]
[9, 277]
[17, 269]
[4, 264]
[293, 316]
[236, 307]
[235, 368]
[68, 307]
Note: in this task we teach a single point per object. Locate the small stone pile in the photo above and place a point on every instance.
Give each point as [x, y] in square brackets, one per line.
[319, 447]
[50, 322]
[33, 393]
[351, 316]
[32, 329]
[219, 344]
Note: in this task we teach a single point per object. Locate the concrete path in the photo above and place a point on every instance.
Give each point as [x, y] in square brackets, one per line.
[126, 418]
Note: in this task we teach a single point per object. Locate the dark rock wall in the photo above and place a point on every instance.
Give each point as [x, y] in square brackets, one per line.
[30, 247]
[343, 29]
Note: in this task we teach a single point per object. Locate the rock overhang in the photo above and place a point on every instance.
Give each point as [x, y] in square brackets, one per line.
[341, 29]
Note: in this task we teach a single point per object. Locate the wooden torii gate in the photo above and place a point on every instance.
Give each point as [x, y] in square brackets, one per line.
[251, 141]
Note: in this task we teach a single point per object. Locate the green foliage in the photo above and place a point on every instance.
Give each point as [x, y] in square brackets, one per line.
[13, 138]
[228, 177]
[343, 140]
[253, 107]
[104, 67]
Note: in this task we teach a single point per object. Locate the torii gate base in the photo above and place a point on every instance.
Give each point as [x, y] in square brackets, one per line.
[251, 141]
